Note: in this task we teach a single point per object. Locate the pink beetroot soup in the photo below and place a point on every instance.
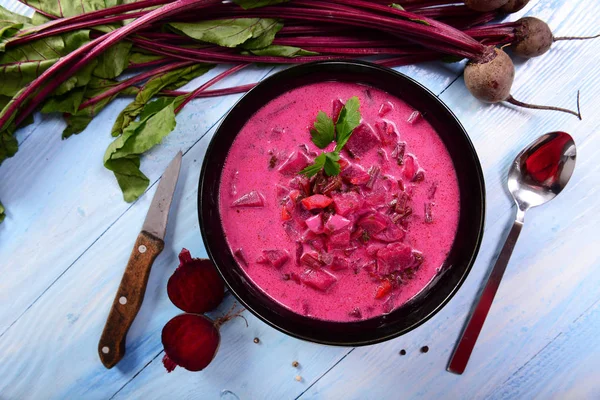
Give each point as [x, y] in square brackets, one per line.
[347, 247]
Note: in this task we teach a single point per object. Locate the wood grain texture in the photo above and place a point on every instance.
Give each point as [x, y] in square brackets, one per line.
[68, 235]
[129, 298]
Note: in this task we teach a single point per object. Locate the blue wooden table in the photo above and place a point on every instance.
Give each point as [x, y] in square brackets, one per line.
[68, 235]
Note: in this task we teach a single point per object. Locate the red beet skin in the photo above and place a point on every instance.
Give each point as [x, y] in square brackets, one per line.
[195, 286]
[190, 341]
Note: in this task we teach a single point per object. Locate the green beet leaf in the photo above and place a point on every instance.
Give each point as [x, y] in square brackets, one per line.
[113, 61]
[282, 51]
[71, 8]
[2, 213]
[225, 32]
[77, 120]
[170, 80]
[123, 154]
[265, 39]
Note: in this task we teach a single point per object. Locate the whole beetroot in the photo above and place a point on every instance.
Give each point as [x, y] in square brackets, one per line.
[533, 37]
[490, 81]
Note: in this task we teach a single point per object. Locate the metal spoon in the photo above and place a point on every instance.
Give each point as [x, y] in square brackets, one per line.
[537, 175]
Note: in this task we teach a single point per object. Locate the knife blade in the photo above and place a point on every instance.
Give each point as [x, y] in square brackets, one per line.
[149, 244]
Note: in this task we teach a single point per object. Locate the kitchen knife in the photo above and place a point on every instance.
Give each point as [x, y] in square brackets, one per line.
[148, 246]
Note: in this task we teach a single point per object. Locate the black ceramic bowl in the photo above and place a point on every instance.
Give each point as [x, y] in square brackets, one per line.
[470, 226]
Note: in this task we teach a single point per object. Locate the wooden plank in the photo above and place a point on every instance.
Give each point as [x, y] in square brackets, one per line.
[573, 356]
[62, 328]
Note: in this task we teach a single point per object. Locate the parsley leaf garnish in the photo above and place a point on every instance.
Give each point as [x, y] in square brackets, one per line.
[324, 132]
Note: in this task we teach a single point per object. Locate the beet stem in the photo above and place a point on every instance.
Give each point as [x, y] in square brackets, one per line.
[557, 38]
[518, 103]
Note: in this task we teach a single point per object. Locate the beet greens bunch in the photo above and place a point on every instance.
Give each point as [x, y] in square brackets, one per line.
[69, 57]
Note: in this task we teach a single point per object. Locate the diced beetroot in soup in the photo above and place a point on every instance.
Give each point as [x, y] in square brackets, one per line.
[377, 197]
[241, 257]
[337, 107]
[394, 257]
[387, 131]
[291, 230]
[339, 264]
[315, 223]
[295, 163]
[311, 259]
[362, 140]
[373, 223]
[346, 202]
[335, 223]
[372, 249]
[355, 174]
[318, 279]
[339, 240]
[252, 199]
[316, 201]
[410, 167]
[385, 109]
[326, 258]
[282, 191]
[317, 244]
[414, 117]
[302, 183]
[391, 234]
[274, 258]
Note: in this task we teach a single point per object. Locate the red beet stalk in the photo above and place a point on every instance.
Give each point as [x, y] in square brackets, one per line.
[85, 54]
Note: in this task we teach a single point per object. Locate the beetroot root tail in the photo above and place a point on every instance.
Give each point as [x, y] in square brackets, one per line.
[518, 103]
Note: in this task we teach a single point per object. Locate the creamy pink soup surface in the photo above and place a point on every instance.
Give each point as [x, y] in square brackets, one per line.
[341, 248]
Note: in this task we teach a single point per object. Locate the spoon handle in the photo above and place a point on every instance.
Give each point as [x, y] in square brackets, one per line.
[463, 350]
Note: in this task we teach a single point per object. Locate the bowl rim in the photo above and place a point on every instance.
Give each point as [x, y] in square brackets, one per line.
[478, 173]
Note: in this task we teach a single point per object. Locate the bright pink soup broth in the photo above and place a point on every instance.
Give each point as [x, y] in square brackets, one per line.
[283, 125]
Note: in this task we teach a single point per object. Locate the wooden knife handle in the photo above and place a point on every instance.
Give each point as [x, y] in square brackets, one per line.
[128, 300]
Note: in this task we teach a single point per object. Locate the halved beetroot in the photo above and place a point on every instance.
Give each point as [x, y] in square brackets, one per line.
[315, 223]
[339, 240]
[316, 201]
[195, 286]
[345, 203]
[373, 223]
[335, 223]
[251, 199]
[274, 258]
[394, 257]
[295, 163]
[318, 279]
[362, 140]
[190, 341]
[355, 175]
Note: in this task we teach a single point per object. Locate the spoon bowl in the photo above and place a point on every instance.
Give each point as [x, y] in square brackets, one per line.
[538, 174]
[542, 170]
